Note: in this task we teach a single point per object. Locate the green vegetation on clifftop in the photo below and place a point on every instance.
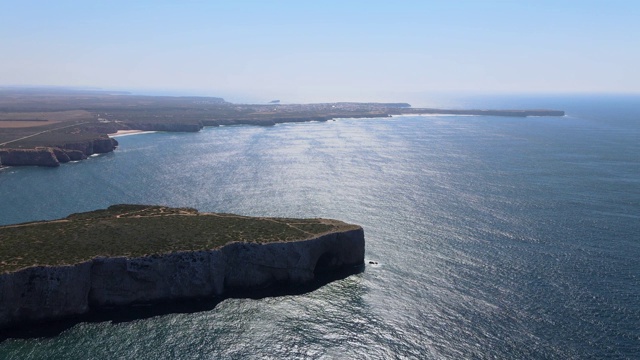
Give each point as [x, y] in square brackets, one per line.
[139, 230]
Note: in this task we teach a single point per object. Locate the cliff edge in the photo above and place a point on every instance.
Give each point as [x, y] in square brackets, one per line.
[131, 254]
[52, 156]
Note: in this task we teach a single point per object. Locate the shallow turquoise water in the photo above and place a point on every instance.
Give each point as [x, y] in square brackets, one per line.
[495, 237]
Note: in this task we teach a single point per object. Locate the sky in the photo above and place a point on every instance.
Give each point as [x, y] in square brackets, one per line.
[311, 51]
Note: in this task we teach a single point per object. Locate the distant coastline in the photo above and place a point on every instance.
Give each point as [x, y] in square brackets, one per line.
[65, 127]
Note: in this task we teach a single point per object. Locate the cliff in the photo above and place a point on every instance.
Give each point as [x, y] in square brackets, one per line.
[69, 285]
[507, 113]
[53, 156]
[264, 122]
[18, 157]
[100, 145]
[168, 126]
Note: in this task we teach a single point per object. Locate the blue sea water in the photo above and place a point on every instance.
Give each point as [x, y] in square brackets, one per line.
[496, 238]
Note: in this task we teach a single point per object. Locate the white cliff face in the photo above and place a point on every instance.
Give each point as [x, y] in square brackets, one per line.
[47, 293]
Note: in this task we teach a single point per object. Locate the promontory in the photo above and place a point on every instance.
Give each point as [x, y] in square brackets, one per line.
[141, 254]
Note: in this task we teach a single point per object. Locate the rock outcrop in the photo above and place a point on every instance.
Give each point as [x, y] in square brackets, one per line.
[104, 145]
[61, 155]
[41, 293]
[54, 156]
[38, 157]
[75, 155]
[98, 145]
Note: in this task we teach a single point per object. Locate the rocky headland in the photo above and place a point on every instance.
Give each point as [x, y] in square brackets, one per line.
[52, 156]
[138, 254]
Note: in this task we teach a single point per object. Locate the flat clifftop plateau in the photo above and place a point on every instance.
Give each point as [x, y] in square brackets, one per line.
[129, 254]
[144, 230]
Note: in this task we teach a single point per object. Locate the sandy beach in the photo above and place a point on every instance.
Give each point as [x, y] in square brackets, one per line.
[129, 132]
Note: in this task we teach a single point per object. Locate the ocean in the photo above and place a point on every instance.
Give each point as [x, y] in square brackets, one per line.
[494, 237]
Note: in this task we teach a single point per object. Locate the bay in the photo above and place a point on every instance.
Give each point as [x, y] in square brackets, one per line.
[495, 237]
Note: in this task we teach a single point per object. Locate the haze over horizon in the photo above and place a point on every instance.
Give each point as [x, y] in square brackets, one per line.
[328, 51]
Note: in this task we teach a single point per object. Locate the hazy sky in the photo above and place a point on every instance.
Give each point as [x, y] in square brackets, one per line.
[323, 50]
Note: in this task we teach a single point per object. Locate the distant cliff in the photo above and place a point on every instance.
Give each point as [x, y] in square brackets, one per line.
[82, 132]
[38, 157]
[171, 127]
[265, 122]
[41, 293]
[55, 155]
[508, 113]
